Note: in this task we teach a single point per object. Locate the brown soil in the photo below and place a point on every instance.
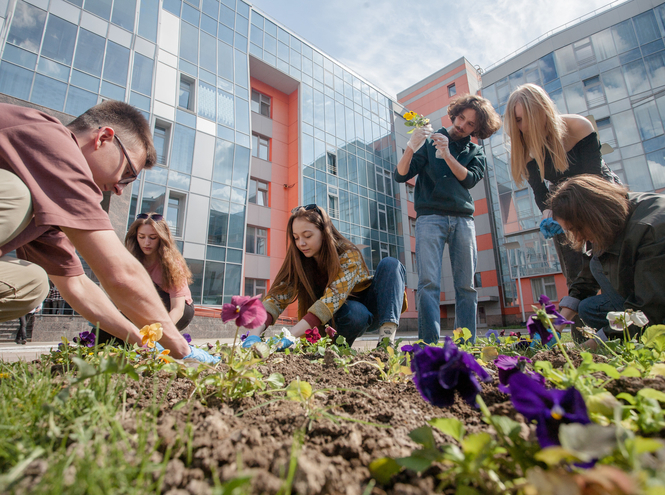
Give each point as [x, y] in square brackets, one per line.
[255, 436]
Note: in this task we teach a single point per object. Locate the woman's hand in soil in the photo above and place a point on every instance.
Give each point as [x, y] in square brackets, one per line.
[300, 328]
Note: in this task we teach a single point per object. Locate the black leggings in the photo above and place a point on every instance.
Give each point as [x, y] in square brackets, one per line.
[183, 322]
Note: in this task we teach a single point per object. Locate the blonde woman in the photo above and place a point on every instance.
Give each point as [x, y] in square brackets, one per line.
[149, 239]
[545, 149]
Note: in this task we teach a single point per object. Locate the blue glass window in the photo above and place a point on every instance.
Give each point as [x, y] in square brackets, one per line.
[241, 167]
[624, 36]
[123, 14]
[49, 92]
[225, 113]
[172, 6]
[117, 63]
[236, 226]
[256, 36]
[142, 74]
[548, 68]
[656, 163]
[148, 17]
[113, 91]
[79, 100]
[53, 69]
[15, 81]
[242, 25]
[636, 77]
[140, 101]
[227, 16]
[232, 279]
[183, 149]
[208, 52]
[223, 168]
[218, 225]
[648, 120]
[209, 25]
[100, 7]
[207, 96]
[189, 42]
[88, 56]
[211, 7]
[656, 68]
[19, 56]
[190, 14]
[646, 27]
[85, 81]
[27, 27]
[59, 40]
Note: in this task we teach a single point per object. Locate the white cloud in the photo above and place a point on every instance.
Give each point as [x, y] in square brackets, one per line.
[394, 43]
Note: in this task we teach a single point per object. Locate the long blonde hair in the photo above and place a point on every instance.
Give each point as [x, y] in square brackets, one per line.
[545, 129]
[175, 272]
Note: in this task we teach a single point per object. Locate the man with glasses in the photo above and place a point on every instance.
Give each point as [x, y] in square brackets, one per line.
[51, 182]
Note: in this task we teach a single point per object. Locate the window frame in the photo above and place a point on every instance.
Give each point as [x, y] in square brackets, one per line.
[262, 143]
[255, 286]
[191, 107]
[256, 237]
[331, 163]
[412, 226]
[167, 127]
[544, 283]
[179, 231]
[452, 90]
[410, 193]
[263, 102]
[257, 186]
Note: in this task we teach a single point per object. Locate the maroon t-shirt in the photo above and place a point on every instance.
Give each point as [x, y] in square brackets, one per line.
[46, 156]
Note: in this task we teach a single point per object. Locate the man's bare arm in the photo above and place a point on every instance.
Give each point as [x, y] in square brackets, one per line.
[128, 285]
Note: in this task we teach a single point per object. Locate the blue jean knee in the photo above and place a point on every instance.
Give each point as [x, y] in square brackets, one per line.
[352, 320]
[386, 294]
[593, 310]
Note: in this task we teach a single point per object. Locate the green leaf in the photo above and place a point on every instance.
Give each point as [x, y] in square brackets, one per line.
[489, 353]
[262, 349]
[627, 397]
[590, 441]
[553, 456]
[85, 370]
[466, 490]
[651, 393]
[506, 426]
[643, 445]
[631, 371]
[657, 369]
[652, 333]
[130, 371]
[419, 460]
[298, 390]
[608, 369]
[423, 436]
[179, 405]
[383, 469]
[449, 426]
[474, 443]
[275, 380]
[108, 365]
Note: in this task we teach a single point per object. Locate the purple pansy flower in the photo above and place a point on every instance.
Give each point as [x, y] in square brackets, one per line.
[330, 331]
[538, 324]
[246, 311]
[544, 300]
[187, 337]
[550, 408]
[413, 348]
[509, 365]
[536, 327]
[86, 339]
[244, 336]
[441, 371]
[489, 334]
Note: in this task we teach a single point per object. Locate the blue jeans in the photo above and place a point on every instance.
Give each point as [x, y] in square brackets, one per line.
[432, 234]
[380, 303]
[593, 310]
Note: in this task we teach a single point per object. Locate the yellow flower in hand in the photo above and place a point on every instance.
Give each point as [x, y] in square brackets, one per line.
[409, 115]
[151, 334]
[163, 355]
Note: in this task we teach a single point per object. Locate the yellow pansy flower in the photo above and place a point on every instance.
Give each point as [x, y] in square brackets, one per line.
[409, 115]
[151, 334]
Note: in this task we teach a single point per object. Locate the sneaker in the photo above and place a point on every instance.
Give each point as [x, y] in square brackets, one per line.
[388, 330]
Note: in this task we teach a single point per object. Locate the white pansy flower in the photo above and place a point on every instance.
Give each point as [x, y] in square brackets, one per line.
[618, 319]
[639, 319]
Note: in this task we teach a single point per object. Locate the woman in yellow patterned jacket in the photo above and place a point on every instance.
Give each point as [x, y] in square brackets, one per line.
[326, 273]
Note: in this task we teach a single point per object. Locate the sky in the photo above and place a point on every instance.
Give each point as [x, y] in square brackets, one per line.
[396, 43]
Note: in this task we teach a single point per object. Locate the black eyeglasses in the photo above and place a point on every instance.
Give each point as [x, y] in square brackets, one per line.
[132, 168]
[155, 216]
[307, 208]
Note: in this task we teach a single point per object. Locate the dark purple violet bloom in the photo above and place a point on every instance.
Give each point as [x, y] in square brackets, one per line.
[502, 333]
[86, 339]
[413, 348]
[187, 337]
[441, 371]
[509, 365]
[536, 327]
[550, 408]
[543, 300]
[489, 333]
[244, 336]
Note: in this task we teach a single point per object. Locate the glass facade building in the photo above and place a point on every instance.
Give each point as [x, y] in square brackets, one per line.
[617, 76]
[188, 66]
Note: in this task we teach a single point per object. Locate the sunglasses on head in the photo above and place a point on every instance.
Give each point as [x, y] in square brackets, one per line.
[155, 216]
[307, 208]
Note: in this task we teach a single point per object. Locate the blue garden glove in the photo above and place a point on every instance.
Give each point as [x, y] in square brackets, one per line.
[550, 227]
[159, 347]
[202, 356]
[282, 344]
[250, 341]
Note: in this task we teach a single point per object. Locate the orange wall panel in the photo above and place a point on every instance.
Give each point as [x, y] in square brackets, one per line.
[484, 242]
[489, 278]
[480, 206]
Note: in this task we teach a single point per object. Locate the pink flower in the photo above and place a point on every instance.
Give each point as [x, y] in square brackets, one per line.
[247, 311]
[312, 335]
[330, 331]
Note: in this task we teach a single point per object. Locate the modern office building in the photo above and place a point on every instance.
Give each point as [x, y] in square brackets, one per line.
[249, 121]
[610, 66]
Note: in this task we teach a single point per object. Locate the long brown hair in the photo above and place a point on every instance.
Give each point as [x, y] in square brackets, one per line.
[298, 271]
[545, 129]
[487, 120]
[592, 207]
[175, 272]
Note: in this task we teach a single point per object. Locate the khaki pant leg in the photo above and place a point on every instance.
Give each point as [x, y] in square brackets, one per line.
[23, 285]
[15, 206]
